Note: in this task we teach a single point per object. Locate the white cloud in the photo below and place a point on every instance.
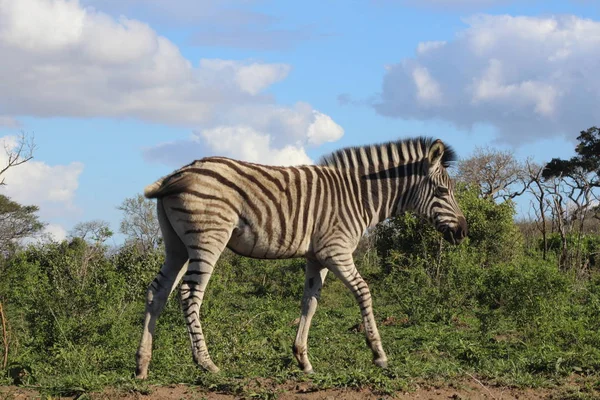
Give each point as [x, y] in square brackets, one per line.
[245, 143]
[65, 60]
[49, 233]
[490, 88]
[251, 78]
[51, 188]
[267, 135]
[25, 24]
[55, 232]
[529, 77]
[428, 90]
[80, 63]
[323, 130]
[424, 47]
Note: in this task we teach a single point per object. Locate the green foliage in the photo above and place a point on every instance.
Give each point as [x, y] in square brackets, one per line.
[140, 223]
[586, 246]
[493, 235]
[492, 230]
[75, 316]
[16, 222]
[587, 159]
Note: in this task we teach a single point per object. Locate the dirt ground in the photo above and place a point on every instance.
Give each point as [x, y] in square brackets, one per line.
[465, 390]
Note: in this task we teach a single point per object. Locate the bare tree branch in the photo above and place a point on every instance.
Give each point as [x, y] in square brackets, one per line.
[494, 172]
[19, 154]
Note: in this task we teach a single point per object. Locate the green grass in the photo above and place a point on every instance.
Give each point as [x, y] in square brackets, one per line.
[525, 325]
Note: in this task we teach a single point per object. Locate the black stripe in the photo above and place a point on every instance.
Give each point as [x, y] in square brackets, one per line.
[222, 180]
[268, 193]
[201, 248]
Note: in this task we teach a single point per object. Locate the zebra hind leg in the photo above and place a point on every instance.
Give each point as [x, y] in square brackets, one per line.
[313, 282]
[160, 289]
[343, 267]
[203, 254]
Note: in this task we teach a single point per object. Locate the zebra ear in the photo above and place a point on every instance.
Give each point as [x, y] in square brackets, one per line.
[436, 151]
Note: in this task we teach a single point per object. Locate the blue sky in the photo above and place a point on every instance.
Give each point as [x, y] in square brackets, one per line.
[119, 93]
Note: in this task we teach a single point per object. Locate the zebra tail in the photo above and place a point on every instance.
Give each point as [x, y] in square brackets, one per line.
[169, 185]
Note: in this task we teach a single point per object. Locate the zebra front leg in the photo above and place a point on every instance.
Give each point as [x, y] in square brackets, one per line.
[156, 297]
[343, 267]
[313, 282]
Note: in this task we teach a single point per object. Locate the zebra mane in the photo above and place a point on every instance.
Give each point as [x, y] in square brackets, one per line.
[336, 158]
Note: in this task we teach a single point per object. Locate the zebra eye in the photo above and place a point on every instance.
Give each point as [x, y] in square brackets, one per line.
[441, 191]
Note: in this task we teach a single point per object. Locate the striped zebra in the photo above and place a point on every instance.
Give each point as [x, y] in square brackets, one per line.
[315, 211]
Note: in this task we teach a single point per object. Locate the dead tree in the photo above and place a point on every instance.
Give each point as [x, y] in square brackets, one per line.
[537, 187]
[496, 173]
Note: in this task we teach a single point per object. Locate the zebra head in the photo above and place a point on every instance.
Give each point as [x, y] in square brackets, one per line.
[436, 200]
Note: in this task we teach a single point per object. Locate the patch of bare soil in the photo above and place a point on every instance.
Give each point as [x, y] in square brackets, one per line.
[474, 390]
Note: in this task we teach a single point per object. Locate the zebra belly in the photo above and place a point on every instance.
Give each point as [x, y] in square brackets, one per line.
[256, 243]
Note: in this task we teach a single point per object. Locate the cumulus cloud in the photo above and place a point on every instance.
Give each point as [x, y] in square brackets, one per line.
[35, 182]
[424, 47]
[61, 59]
[56, 232]
[273, 136]
[251, 78]
[245, 143]
[323, 130]
[530, 77]
[50, 187]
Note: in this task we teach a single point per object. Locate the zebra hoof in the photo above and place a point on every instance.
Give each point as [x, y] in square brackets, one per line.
[141, 373]
[210, 367]
[381, 362]
[141, 376]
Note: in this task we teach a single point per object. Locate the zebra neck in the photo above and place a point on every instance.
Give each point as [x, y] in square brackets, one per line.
[388, 192]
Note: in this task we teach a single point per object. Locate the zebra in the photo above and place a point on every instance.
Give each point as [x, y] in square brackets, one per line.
[318, 212]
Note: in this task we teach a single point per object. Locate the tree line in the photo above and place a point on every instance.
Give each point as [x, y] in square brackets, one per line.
[563, 195]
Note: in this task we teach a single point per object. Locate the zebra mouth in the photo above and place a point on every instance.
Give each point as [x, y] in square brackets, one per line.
[450, 235]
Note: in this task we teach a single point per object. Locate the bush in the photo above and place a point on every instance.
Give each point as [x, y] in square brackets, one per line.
[584, 249]
[493, 235]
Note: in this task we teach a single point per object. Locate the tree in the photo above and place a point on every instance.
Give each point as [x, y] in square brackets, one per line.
[140, 223]
[585, 162]
[89, 238]
[538, 188]
[18, 154]
[95, 232]
[575, 187]
[496, 174]
[16, 222]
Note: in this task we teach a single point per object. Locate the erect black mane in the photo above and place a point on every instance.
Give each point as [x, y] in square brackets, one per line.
[333, 159]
